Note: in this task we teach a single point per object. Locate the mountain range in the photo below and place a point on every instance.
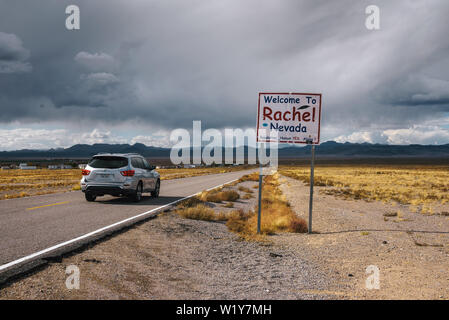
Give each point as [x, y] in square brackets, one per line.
[326, 149]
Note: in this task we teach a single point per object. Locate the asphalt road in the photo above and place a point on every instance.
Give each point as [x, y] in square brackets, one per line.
[31, 224]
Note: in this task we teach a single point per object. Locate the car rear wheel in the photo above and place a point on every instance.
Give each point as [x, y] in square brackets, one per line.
[138, 193]
[155, 193]
[90, 197]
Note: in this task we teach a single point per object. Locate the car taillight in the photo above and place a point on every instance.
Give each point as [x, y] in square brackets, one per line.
[85, 172]
[127, 173]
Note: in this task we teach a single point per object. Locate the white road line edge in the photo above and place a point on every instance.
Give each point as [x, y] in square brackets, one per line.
[87, 235]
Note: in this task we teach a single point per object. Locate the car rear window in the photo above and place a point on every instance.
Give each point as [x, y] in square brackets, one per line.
[108, 162]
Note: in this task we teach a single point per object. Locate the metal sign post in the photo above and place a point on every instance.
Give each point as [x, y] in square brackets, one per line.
[259, 211]
[312, 169]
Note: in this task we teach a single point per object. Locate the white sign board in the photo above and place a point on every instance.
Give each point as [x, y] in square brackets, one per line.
[289, 117]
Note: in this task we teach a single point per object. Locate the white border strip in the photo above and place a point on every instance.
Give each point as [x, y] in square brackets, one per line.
[87, 235]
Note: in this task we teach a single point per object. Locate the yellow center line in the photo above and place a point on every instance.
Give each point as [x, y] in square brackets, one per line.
[48, 205]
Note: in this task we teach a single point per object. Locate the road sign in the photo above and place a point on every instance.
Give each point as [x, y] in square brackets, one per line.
[289, 117]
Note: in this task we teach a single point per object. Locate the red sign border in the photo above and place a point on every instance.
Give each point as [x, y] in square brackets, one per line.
[289, 93]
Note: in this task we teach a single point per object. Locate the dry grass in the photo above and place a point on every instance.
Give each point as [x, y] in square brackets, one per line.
[219, 195]
[277, 216]
[198, 212]
[168, 174]
[250, 177]
[229, 205]
[238, 221]
[22, 183]
[421, 187]
[390, 214]
[195, 208]
[245, 189]
[190, 202]
[229, 195]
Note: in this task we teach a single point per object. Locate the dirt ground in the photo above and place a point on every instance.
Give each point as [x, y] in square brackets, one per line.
[411, 251]
[174, 258]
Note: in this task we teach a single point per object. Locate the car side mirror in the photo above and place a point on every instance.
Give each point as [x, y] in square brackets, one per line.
[151, 168]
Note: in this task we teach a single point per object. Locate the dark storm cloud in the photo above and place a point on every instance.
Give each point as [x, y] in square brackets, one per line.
[167, 63]
[418, 91]
[13, 55]
[95, 62]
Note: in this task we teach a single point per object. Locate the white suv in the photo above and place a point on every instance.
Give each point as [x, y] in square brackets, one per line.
[119, 175]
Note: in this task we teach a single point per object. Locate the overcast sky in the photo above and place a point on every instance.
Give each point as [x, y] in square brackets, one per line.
[138, 69]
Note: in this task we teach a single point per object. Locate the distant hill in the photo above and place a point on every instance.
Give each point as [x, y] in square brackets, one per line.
[82, 151]
[349, 150]
[326, 149]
